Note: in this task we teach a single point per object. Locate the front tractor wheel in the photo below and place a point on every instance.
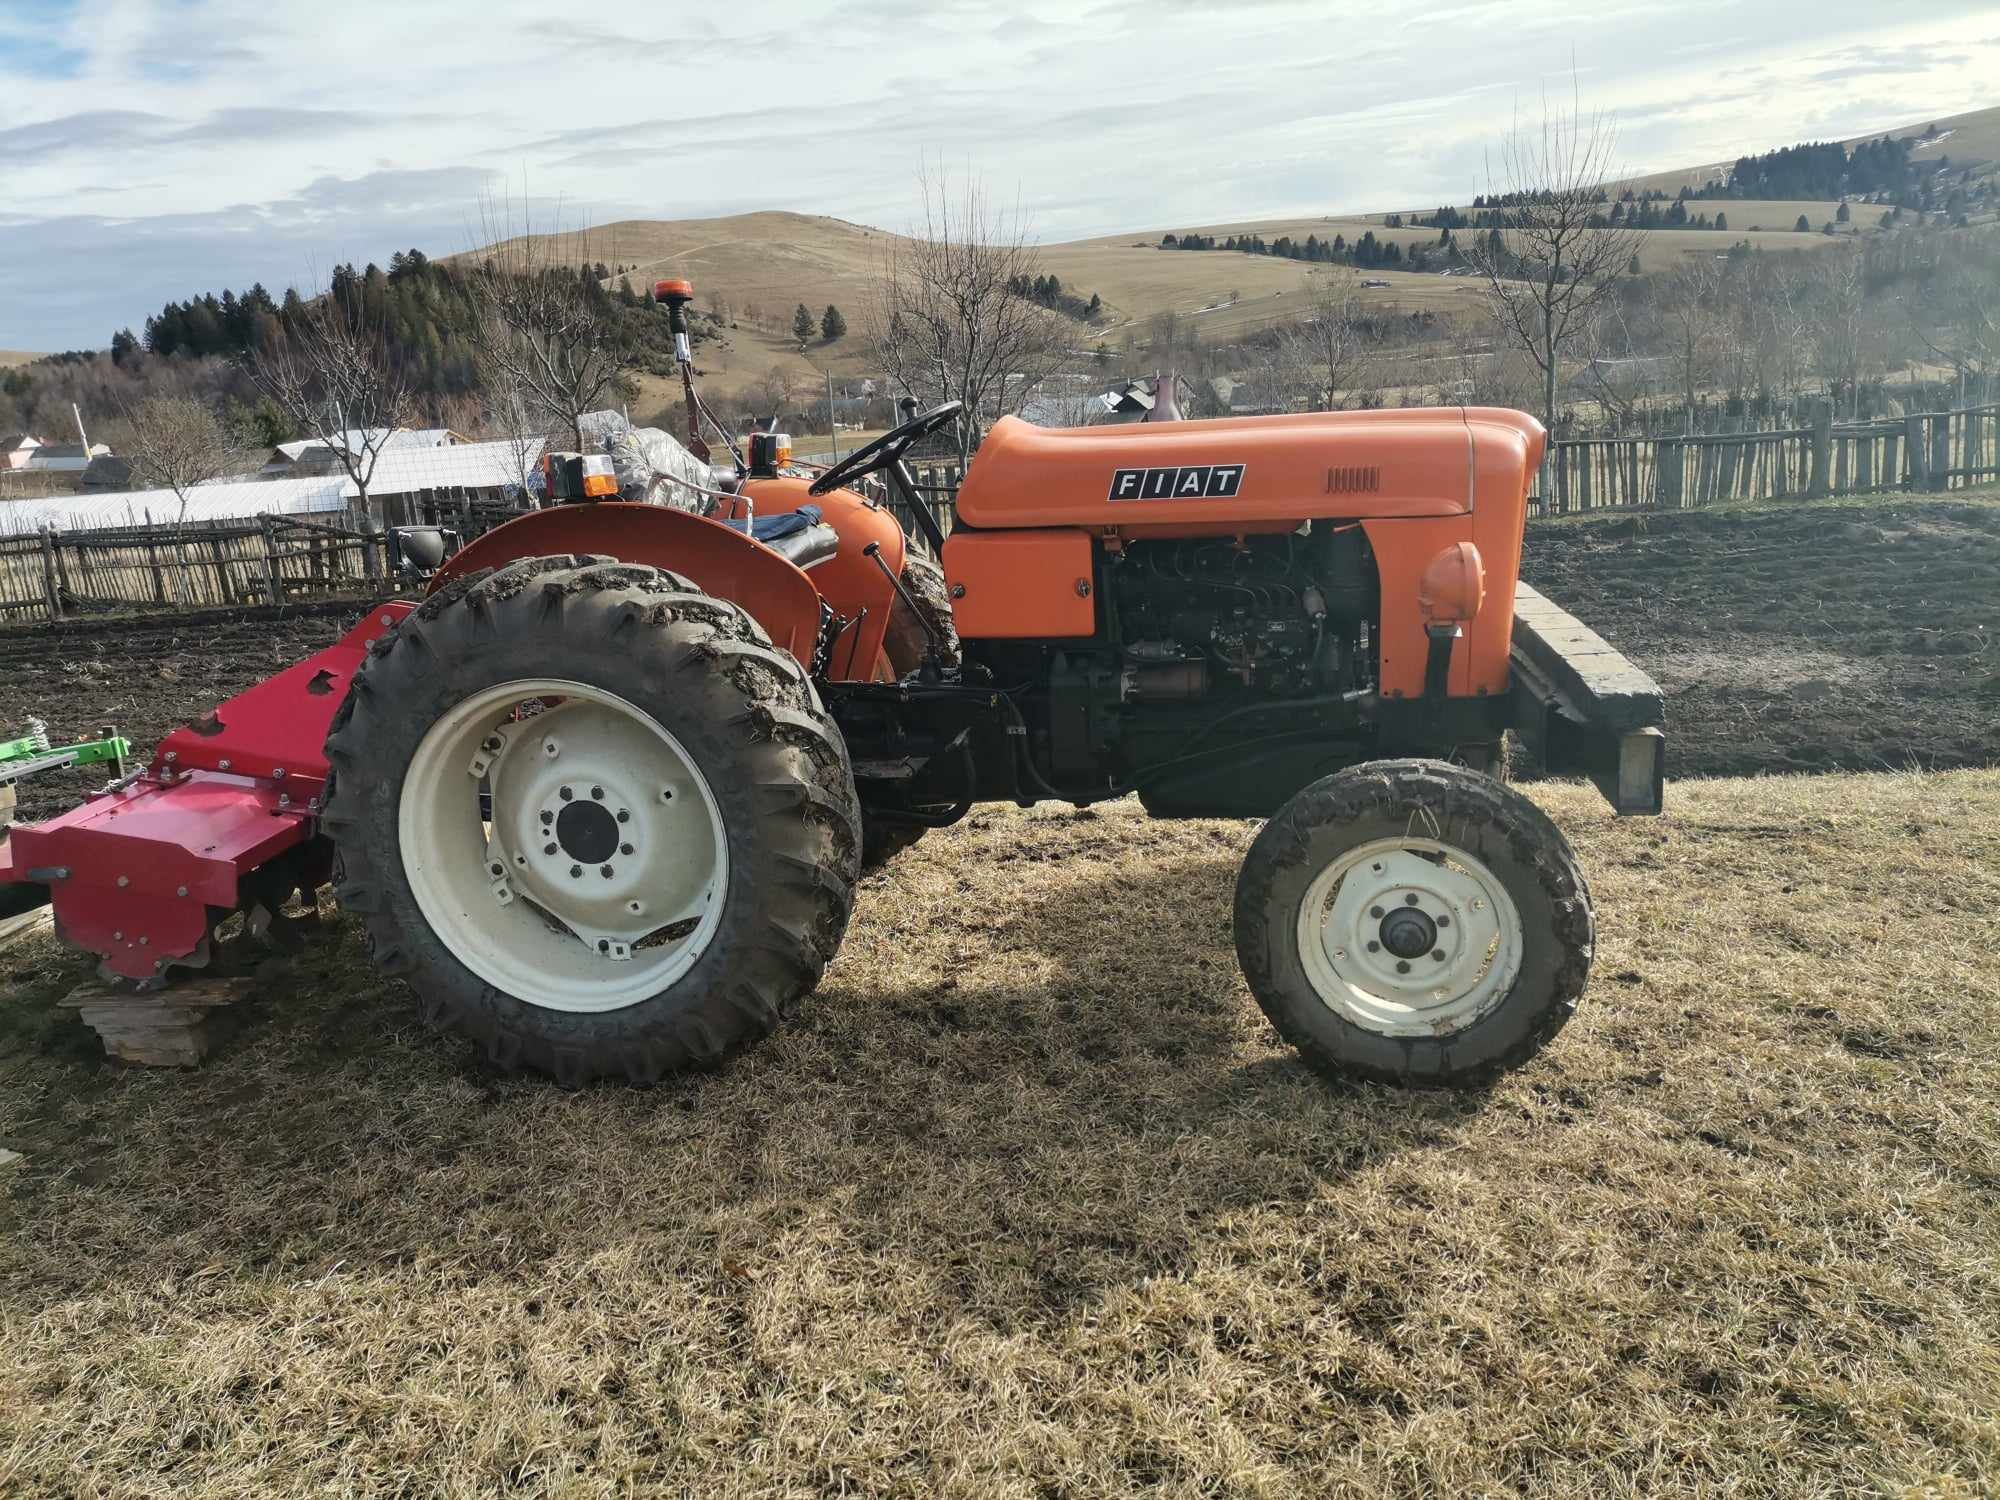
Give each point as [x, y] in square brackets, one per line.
[1413, 922]
[593, 817]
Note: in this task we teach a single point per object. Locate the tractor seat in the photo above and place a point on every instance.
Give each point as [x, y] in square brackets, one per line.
[801, 537]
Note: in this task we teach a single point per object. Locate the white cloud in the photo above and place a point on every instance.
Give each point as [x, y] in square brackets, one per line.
[159, 149]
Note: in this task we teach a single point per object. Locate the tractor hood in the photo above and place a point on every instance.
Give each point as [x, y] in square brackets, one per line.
[1256, 471]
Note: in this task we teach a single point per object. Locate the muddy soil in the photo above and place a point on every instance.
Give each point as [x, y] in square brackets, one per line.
[144, 675]
[1814, 639]
[1821, 638]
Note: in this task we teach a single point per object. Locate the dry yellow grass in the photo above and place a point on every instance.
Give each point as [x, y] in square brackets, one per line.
[1029, 1201]
[17, 357]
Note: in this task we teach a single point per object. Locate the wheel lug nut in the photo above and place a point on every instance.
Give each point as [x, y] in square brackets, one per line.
[565, 793]
[548, 848]
[624, 848]
[547, 817]
[574, 871]
[1402, 966]
[597, 792]
[624, 815]
[1375, 912]
[605, 871]
[1410, 900]
[1374, 947]
[1438, 954]
[1442, 920]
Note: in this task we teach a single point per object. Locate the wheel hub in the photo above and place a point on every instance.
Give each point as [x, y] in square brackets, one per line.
[1409, 937]
[587, 831]
[1409, 932]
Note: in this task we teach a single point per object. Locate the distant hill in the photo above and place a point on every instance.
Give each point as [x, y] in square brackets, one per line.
[764, 265]
[1967, 137]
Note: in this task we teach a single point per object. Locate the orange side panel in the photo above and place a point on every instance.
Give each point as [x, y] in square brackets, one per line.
[849, 580]
[724, 562]
[1021, 584]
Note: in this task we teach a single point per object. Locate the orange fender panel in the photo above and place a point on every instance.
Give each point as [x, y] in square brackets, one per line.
[723, 561]
[1020, 585]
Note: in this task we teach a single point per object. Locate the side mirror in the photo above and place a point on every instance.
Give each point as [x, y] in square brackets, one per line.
[420, 550]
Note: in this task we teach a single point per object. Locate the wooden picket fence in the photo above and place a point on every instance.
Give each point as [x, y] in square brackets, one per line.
[1926, 451]
[55, 575]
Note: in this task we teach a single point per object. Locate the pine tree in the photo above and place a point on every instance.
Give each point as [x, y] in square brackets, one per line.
[831, 324]
[802, 324]
[1804, 225]
[1843, 215]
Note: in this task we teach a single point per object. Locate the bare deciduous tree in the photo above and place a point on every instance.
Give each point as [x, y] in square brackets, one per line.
[948, 322]
[1559, 257]
[1322, 357]
[176, 443]
[1692, 316]
[544, 326]
[1958, 316]
[330, 372]
[1838, 312]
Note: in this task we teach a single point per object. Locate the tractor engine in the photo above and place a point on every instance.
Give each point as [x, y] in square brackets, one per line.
[1262, 617]
[1200, 634]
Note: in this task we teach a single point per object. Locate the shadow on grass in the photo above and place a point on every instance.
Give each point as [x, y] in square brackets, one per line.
[1027, 1141]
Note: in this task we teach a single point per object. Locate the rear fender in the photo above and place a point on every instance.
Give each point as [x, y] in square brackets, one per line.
[721, 560]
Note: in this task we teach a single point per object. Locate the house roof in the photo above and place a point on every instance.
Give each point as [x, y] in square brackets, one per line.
[359, 439]
[14, 441]
[108, 471]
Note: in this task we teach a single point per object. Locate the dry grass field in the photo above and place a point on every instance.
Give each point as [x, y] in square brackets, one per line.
[1028, 1200]
[17, 357]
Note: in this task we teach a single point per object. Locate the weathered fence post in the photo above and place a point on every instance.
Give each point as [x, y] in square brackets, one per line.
[221, 570]
[1940, 465]
[1668, 472]
[1819, 483]
[271, 591]
[1916, 453]
[51, 593]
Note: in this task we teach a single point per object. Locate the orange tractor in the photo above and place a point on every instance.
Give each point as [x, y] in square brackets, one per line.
[603, 796]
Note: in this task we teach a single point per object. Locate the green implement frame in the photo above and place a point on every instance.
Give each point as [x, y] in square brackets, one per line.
[31, 753]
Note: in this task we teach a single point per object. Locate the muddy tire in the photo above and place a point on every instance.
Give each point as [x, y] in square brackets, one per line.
[906, 638]
[601, 746]
[1413, 922]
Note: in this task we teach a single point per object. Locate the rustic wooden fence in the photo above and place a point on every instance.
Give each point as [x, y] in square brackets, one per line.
[1926, 451]
[262, 560]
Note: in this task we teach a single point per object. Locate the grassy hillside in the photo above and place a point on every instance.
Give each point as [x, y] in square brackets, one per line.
[1973, 136]
[17, 357]
[772, 261]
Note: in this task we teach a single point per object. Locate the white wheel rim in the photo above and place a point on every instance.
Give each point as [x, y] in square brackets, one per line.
[572, 769]
[1357, 931]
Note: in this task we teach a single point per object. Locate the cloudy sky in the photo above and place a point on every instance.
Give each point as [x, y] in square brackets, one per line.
[157, 148]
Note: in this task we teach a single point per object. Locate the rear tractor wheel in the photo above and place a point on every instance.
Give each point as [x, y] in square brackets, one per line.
[1413, 922]
[598, 823]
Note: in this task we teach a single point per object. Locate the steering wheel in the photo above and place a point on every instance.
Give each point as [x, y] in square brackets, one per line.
[887, 449]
